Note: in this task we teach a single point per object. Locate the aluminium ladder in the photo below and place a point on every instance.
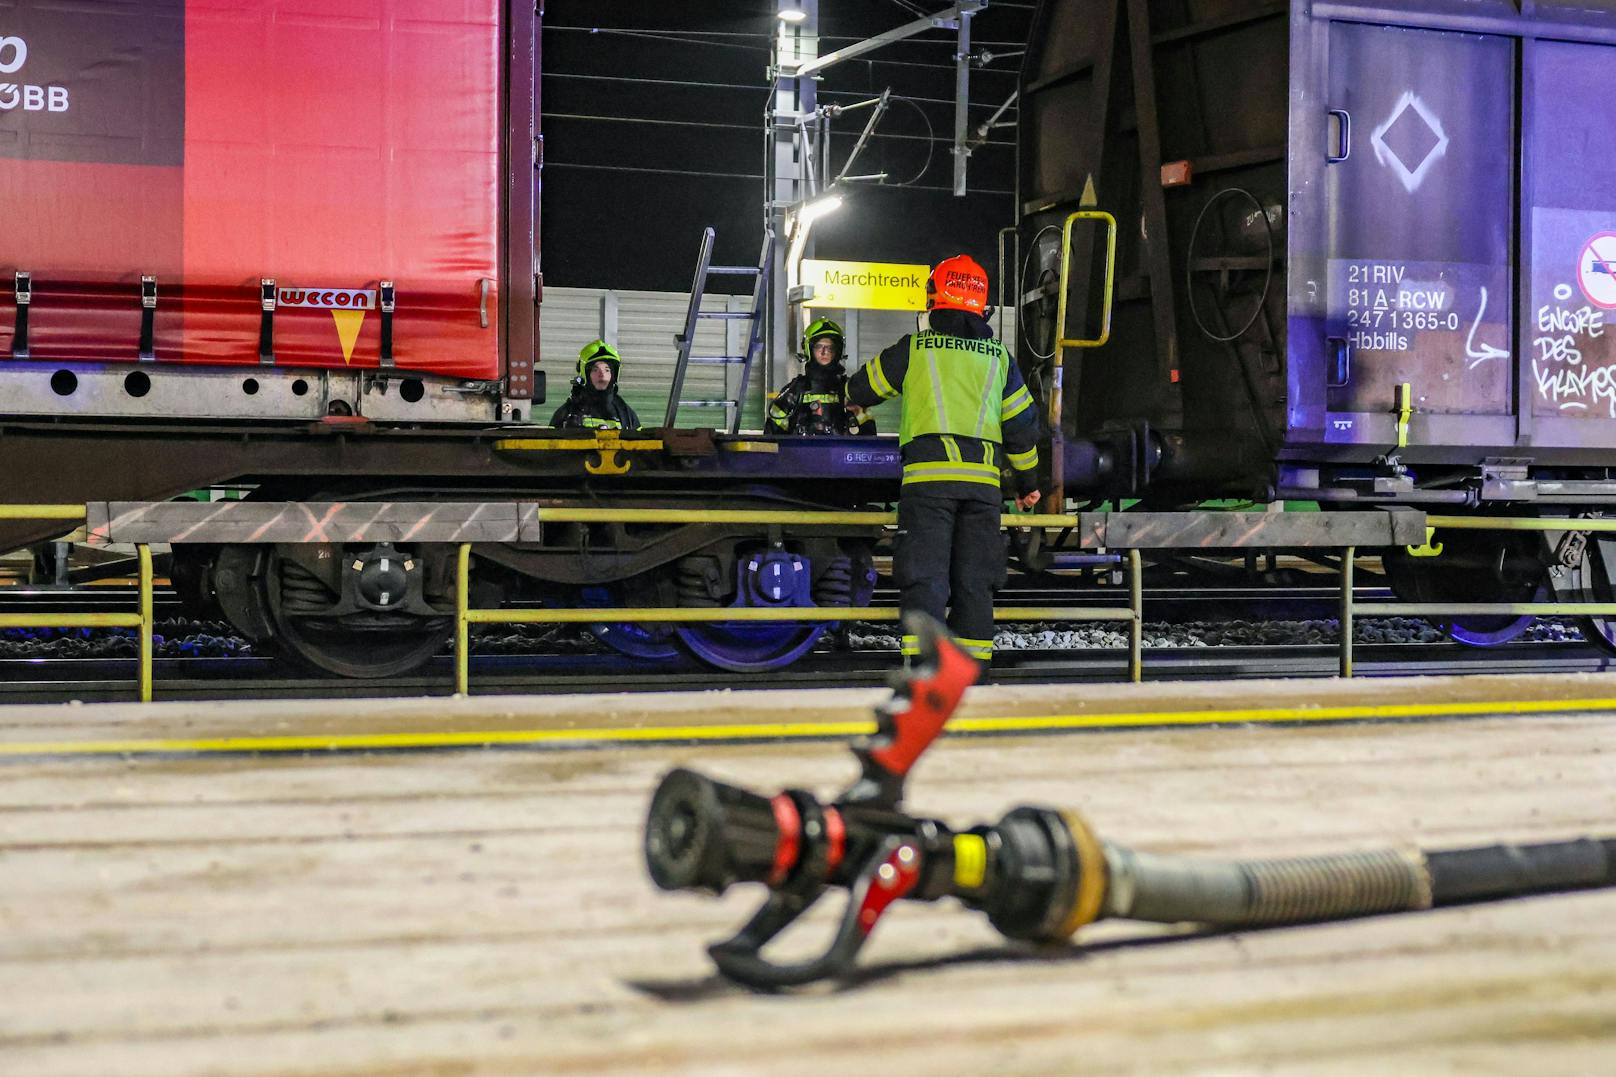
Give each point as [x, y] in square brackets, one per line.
[686, 341]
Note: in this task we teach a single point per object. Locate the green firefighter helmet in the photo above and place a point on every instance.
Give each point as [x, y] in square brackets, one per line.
[822, 327]
[598, 351]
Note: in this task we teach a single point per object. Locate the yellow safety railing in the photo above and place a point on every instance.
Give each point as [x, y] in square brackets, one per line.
[141, 620]
[1351, 609]
[465, 616]
[565, 515]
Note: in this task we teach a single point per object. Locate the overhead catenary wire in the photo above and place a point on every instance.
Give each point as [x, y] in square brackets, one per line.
[756, 41]
[551, 163]
[699, 36]
[931, 144]
[937, 67]
[657, 35]
[822, 91]
[741, 127]
[672, 36]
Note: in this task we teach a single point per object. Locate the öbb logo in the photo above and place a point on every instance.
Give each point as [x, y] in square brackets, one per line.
[30, 98]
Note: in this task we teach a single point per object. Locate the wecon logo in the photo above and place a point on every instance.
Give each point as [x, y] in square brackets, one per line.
[18, 50]
[13, 54]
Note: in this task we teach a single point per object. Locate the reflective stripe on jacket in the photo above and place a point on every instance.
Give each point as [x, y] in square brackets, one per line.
[966, 412]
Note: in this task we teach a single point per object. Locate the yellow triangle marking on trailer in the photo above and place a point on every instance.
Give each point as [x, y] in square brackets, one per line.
[1090, 197]
[348, 325]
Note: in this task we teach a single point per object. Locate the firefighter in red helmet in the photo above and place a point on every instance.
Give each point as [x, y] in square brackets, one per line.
[966, 415]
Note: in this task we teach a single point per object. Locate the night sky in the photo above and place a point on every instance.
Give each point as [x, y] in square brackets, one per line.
[653, 129]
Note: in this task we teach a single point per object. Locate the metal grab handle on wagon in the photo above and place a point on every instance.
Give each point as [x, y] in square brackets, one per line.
[1340, 371]
[1343, 138]
[1062, 342]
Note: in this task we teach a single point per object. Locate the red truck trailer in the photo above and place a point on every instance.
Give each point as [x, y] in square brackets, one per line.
[269, 209]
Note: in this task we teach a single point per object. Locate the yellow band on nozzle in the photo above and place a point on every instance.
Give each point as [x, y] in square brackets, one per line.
[1091, 876]
[970, 861]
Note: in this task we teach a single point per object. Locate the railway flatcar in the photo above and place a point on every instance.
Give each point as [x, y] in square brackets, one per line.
[1366, 255]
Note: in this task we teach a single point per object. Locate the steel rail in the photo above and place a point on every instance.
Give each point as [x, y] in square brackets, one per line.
[195, 678]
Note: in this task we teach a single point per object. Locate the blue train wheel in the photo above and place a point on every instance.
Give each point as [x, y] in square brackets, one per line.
[769, 578]
[750, 648]
[1488, 631]
[653, 642]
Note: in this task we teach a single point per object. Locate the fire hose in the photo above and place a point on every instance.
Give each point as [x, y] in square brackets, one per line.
[1039, 874]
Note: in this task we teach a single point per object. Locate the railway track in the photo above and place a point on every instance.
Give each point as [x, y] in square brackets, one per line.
[1169, 604]
[111, 680]
[44, 678]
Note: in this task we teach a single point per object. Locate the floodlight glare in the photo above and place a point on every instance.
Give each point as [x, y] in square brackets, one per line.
[791, 14]
[819, 207]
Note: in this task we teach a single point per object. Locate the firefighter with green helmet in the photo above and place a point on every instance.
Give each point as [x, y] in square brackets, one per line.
[813, 403]
[967, 418]
[595, 403]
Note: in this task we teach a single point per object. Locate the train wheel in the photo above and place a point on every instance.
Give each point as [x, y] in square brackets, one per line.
[836, 575]
[650, 641]
[750, 648]
[1591, 582]
[372, 647]
[190, 572]
[1474, 567]
[360, 655]
[766, 579]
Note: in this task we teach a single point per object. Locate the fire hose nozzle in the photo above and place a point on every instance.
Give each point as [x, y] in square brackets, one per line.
[1038, 874]
[705, 835]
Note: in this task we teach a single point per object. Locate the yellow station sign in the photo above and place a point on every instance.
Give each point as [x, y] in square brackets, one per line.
[865, 285]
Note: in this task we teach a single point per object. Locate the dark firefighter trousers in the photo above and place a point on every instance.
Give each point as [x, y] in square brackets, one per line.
[949, 555]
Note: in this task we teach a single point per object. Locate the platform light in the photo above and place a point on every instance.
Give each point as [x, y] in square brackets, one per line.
[791, 13]
[802, 223]
[819, 207]
[822, 206]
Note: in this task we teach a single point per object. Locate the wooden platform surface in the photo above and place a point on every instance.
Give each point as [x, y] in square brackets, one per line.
[488, 911]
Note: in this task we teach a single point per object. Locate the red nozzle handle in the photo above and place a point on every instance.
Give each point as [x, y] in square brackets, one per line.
[891, 873]
[915, 715]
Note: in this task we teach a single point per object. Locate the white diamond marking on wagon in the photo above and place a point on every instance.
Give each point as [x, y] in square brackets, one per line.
[1410, 110]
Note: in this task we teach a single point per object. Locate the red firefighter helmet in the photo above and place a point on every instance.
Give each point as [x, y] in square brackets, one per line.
[958, 283]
